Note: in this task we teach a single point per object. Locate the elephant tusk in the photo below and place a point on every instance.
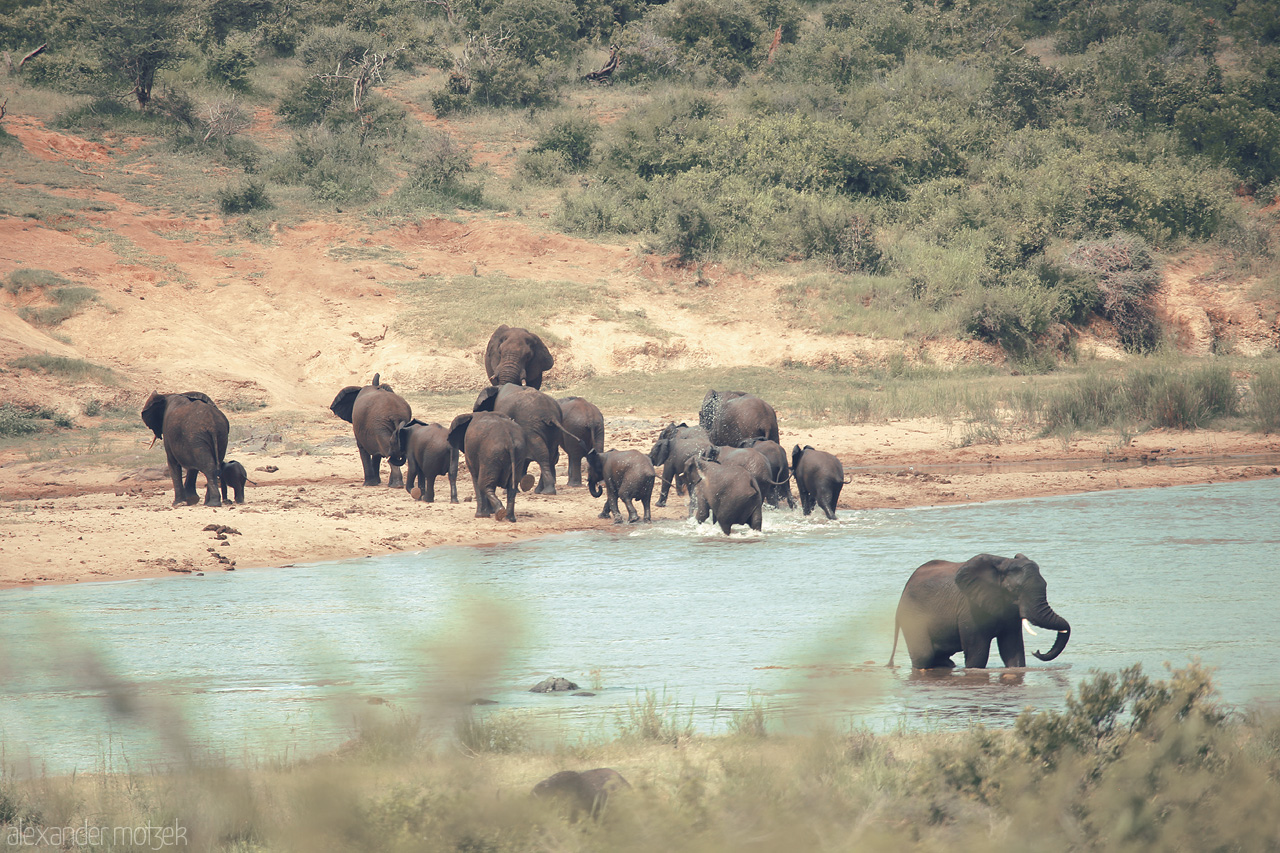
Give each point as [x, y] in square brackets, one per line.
[153, 443]
[1030, 630]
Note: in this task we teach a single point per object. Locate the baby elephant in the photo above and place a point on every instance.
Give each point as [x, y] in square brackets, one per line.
[819, 479]
[428, 455]
[588, 790]
[627, 474]
[728, 494]
[234, 475]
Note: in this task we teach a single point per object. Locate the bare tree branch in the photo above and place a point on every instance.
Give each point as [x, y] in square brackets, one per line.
[32, 55]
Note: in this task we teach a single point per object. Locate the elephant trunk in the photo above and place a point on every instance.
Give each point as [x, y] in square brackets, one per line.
[512, 372]
[1043, 616]
[594, 487]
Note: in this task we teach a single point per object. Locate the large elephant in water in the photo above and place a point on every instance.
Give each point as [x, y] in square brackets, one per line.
[194, 431]
[731, 417]
[376, 414]
[540, 416]
[961, 607]
[517, 356]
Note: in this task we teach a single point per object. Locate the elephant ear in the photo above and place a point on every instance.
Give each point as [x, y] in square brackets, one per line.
[542, 357]
[661, 451]
[796, 453]
[458, 431]
[199, 397]
[343, 404]
[153, 413]
[488, 397]
[980, 579]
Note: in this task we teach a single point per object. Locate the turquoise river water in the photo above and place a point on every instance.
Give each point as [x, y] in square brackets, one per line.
[799, 619]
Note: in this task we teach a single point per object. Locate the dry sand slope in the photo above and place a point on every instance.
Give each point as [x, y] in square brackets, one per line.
[184, 303]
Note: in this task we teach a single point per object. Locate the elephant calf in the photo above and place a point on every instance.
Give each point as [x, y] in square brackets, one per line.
[626, 474]
[728, 493]
[583, 430]
[588, 790]
[428, 454]
[779, 471]
[753, 461]
[234, 475]
[675, 444]
[961, 607]
[819, 479]
[494, 447]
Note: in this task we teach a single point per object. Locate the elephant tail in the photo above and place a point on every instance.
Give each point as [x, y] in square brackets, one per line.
[894, 651]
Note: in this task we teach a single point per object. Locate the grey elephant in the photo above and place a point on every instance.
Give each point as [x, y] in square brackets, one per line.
[234, 476]
[961, 607]
[376, 414]
[583, 428]
[494, 448]
[728, 494]
[540, 417]
[428, 454]
[779, 471]
[588, 790]
[194, 431]
[729, 417]
[746, 458]
[675, 444]
[517, 356]
[819, 479]
[627, 475]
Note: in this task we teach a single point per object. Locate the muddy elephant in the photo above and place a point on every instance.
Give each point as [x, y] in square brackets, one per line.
[427, 455]
[194, 431]
[675, 444]
[726, 493]
[517, 356]
[627, 475]
[234, 476]
[819, 479]
[588, 790]
[779, 471]
[376, 414]
[494, 448]
[730, 417]
[583, 429]
[753, 461]
[540, 416]
[961, 607]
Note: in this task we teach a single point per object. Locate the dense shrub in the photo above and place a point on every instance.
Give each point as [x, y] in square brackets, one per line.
[1126, 277]
[572, 137]
[1265, 388]
[231, 61]
[334, 165]
[249, 196]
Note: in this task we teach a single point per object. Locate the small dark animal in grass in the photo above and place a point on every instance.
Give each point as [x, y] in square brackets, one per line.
[819, 479]
[234, 475]
[627, 475]
[194, 431]
[675, 444]
[427, 455]
[582, 421]
[579, 791]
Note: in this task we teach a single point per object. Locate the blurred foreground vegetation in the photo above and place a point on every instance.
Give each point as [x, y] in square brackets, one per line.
[1132, 762]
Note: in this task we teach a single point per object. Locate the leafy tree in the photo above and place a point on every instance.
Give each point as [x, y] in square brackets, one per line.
[135, 38]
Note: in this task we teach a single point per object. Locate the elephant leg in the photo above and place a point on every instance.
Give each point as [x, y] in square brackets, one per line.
[644, 502]
[396, 480]
[668, 476]
[726, 525]
[1009, 642]
[413, 477]
[632, 515]
[539, 453]
[756, 522]
[786, 492]
[179, 490]
[429, 488]
[703, 511]
[212, 490]
[977, 650]
[574, 465]
[482, 500]
[511, 503]
[372, 476]
[453, 486]
[806, 500]
[239, 492]
[189, 496]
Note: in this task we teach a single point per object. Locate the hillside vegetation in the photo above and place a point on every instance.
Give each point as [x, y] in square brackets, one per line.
[1023, 176]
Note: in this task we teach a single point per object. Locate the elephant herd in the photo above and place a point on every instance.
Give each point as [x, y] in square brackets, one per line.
[730, 465]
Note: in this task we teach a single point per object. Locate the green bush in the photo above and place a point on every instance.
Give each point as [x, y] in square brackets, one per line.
[1012, 316]
[24, 278]
[231, 62]
[572, 137]
[542, 167]
[333, 165]
[248, 197]
[68, 301]
[71, 368]
[1266, 397]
